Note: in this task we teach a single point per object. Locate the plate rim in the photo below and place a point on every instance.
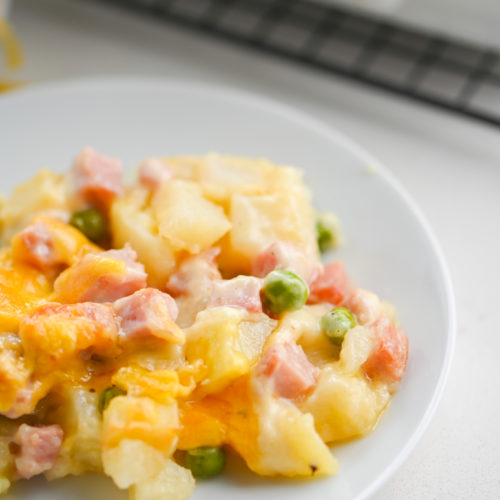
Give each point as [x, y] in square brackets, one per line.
[334, 136]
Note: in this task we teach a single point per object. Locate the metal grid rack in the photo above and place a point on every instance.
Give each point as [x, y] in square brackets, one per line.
[452, 75]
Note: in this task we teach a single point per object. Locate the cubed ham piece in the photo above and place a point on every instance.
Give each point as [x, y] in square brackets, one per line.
[387, 360]
[36, 245]
[48, 244]
[242, 291]
[39, 448]
[290, 372]
[149, 313]
[96, 179]
[332, 285]
[153, 172]
[23, 404]
[283, 255]
[101, 314]
[101, 277]
[108, 288]
[128, 255]
[195, 275]
[191, 284]
[365, 305]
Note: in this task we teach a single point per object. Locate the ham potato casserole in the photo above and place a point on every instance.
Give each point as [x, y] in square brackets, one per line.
[147, 329]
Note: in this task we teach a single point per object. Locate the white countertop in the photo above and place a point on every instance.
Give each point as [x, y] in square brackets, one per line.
[449, 165]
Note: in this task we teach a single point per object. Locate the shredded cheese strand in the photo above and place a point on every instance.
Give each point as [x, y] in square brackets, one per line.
[11, 45]
[13, 54]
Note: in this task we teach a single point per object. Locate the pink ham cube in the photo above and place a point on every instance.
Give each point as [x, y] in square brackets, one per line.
[389, 355]
[148, 313]
[283, 255]
[153, 172]
[290, 372]
[242, 291]
[39, 448]
[96, 179]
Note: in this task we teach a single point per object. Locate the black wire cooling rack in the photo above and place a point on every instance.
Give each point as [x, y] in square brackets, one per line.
[453, 75]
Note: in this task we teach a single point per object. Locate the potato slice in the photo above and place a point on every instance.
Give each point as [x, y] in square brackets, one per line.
[45, 192]
[131, 462]
[173, 482]
[345, 406]
[186, 219]
[132, 222]
[4, 485]
[258, 221]
[288, 442]
[140, 418]
[80, 418]
[227, 341]
[214, 339]
[222, 176]
[6, 459]
[356, 347]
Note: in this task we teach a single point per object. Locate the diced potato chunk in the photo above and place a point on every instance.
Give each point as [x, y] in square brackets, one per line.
[133, 223]
[227, 341]
[303, 327]
[214, 339]
[140, 418]
[173, 482]
[44, 192]
[356, 347]
[253, 333]
[4, 485]
[288, 442]
[221, 176]
[183, 167]
[186, 219]
[287, 180]
[345, 406]
[258, 221]
[81, 451]
[131, 462]
[6, 457]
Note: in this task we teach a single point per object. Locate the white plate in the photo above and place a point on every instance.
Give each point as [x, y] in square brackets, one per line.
[389, 247]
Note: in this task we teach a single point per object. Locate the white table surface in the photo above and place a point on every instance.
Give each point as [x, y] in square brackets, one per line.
[450, 166]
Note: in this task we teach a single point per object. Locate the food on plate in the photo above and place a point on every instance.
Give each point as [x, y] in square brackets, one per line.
[147, 329]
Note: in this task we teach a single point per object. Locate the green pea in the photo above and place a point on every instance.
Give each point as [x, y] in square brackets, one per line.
[206, 461]
[107, 395]
[327, 231]
[336, 323]
[91, 223]
[284, 291]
